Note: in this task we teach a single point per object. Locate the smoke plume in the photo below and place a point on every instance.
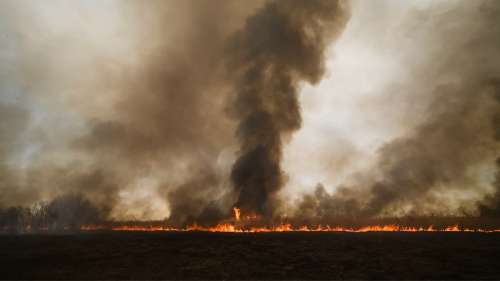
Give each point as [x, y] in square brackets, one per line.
[283, 44]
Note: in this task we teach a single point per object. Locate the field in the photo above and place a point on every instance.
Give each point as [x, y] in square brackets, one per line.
[197, 255]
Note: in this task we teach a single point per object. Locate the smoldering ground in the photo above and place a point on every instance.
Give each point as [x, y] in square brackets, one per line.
[182, 109]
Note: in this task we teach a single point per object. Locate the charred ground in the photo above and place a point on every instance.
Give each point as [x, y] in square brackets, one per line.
[194, 255]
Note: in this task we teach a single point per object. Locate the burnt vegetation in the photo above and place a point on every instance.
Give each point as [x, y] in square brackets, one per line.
[276, 256]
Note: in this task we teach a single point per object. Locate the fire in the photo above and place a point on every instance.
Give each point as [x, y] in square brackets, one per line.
[127, 228]
[236, 213]
[247, 217]
[250, 224]
[228, 227]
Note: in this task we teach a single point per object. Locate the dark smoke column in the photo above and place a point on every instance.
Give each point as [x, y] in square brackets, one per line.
[282, 45]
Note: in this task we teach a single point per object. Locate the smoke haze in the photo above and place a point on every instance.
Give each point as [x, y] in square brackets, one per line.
[443, 165]
[181, 110]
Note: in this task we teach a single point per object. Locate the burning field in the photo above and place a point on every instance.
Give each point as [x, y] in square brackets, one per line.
[44, 223]
[287, 138]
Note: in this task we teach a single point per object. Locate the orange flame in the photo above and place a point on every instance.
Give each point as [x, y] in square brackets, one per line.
[228, 227]
[236, 213]
[238, 226]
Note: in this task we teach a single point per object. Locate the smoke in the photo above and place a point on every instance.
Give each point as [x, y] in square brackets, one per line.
[491, 206]
[143, 116]
[128, 110]
[283, 44]
[198, 201]
[14, 120]
[440, 166]
[126, 103]
[64, 213]
[170, 120]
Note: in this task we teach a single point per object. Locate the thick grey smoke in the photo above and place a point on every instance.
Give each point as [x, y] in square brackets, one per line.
[129, 110]
[428, 169]
[125, 108]
[282, 45]
[171, 122]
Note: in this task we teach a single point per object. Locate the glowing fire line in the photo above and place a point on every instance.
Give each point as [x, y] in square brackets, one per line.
[246, 224]
[237, 226]
[227, 227]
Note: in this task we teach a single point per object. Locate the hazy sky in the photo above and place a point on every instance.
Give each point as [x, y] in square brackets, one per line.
[350, 114]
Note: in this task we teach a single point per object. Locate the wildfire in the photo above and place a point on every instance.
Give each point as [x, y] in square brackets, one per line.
[252, 224]
[228, 227]
[249, 223]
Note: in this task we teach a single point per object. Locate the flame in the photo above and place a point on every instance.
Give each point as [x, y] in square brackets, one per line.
[236, 213]
[252, 224]
[228, 227]
[249, 223]
[127, 228]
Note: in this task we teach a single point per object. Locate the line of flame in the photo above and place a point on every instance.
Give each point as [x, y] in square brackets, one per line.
[227, 227]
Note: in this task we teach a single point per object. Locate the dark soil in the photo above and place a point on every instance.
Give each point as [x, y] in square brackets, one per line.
[251, 256]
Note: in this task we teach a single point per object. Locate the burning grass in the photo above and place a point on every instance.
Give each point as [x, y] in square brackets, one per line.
[226, 227]
[251, 223]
